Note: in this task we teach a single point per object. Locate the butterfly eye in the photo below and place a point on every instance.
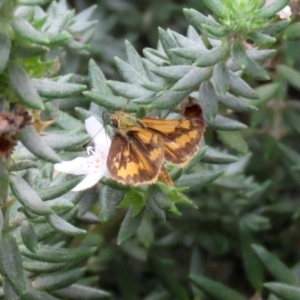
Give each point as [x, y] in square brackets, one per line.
[115, 123]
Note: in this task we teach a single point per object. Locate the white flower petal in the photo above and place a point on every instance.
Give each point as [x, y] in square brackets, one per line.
[285, 13]
[76, 166]
[97, 132]
[89, 180]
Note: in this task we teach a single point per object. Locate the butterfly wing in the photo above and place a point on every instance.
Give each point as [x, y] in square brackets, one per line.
[181, 137]
[136, 158]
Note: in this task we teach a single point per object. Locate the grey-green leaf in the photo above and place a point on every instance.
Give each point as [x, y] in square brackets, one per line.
[5, 46]
[197, 180]
[58, 280]
[11, 264]
[53, 255]
[284, 291]
[35, 144]
[109, 199]
[192, 79]
[27, 32]
[221, 78]
[208, 100]
[52, 89]
[63, 226]
[270, 10]
[29, 236]
[240, 87]
[129, 225]
[23, 86]
[275, 267]
[291, 75]
[27, 196]
[215, 289]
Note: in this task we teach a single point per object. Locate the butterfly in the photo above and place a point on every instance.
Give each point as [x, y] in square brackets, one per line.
[140, 147]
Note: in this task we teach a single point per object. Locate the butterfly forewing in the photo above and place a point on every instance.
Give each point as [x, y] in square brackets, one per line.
[137, 157]
[181, 137]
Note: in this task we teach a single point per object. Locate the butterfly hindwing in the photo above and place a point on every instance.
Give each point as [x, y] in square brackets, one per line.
[136, 158]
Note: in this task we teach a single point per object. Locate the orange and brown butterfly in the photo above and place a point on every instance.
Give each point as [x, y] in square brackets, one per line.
[140, 146]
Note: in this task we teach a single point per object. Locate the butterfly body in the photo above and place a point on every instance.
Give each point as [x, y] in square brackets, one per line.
[140, 147]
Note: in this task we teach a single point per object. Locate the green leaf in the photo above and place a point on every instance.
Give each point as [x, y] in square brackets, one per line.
[165, 275]
[134, 198]
[221, 78]
[34, 2]
[270, 10]
[53, 89]
[11, 264]
[284, 291]
[155, 209]
[134, 59]
[58, 280]
[240, 87]
[128, 90]
[168, 42]
[215, 157]
[208, 100]
[58, 190]
[262, 39]
[172, 72]
[5, 46]
[168, 99]
[35, 144]
[275, 28]
[292, 155]
[29, 236]
[109, 199]
[145, 232]
[235, 103]
[292, 32]
[192, 79]
[4, 185]
[224, 123]
[217, 7]
[197, 19]
[27, 196]
[254, 70]
[218, 32]
[87, 293]
[213, 56]
[8, 291]
[239, 55]
[53, 255]
[155, 57]
[27, 32]
[129, 225]
[63, 226]
[111, 102]
[66, 140]
[233, 140]
[275, 267]
[252, 265]
[215, 289]
[97, 79]
[41, 267]
[291, 75]
[23, 86]
[128, 73]
[197, 180]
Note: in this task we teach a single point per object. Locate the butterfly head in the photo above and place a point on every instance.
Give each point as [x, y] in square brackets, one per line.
[122, 120]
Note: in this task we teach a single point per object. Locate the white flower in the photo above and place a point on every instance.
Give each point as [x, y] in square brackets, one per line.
[285, 13]
[93, 166]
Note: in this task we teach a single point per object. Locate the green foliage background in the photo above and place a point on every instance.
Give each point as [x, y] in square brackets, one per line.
[229, 228]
